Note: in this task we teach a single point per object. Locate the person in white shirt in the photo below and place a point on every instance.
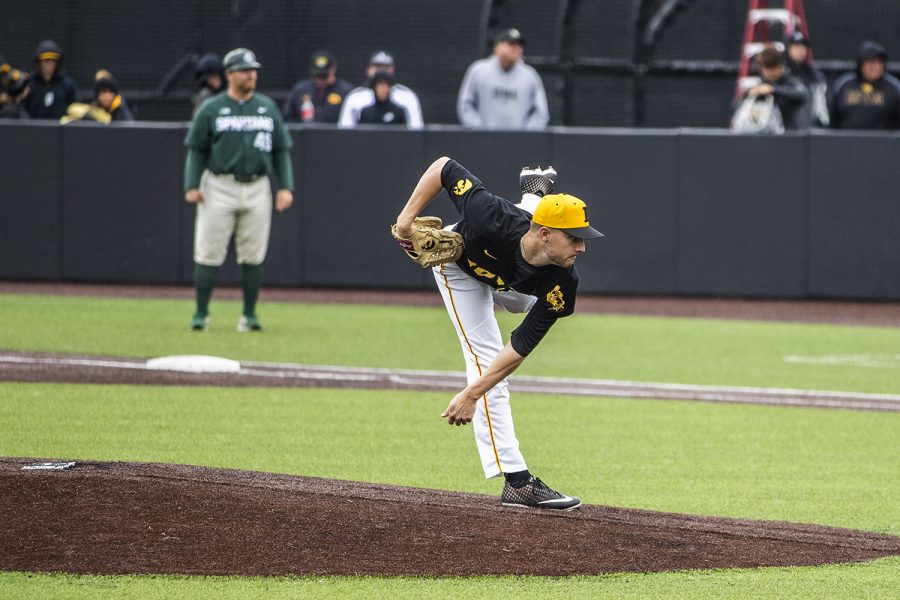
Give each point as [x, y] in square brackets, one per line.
[363, 97]
[501, 91]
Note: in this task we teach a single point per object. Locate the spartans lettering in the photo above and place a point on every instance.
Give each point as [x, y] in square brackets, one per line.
[245, 123]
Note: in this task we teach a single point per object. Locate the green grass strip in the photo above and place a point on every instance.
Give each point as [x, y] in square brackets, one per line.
[875, 579]
[698, 351]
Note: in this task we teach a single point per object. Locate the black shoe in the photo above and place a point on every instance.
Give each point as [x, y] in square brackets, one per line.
[537, 181]
[536, 494]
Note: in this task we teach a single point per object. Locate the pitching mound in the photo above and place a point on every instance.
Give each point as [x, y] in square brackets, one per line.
[116, 518]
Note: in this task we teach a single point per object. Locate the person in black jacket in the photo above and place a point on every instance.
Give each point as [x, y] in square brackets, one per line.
[799, 64]
[868, 98]
[320, 98]
[108, 104]
[107, 97]
[13, 92]
[51, 90]
[789, 93]
[383, 111]
[209, 77]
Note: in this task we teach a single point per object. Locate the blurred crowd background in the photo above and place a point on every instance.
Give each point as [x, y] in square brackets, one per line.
[600, 64]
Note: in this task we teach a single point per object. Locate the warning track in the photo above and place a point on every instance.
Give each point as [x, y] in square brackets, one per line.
[45, 367]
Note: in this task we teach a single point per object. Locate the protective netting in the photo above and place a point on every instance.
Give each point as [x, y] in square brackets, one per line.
[152, 46]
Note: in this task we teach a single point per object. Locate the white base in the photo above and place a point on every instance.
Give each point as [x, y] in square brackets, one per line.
[194, 364]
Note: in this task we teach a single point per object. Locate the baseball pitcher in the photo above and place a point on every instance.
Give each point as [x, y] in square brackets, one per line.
[519, 257]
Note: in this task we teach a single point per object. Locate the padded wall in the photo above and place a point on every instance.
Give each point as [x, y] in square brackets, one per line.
[684, 211]
[30, 163]
[741, 227]
[121, 202]
[854, 216]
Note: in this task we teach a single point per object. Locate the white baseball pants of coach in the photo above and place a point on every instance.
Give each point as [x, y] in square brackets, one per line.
[470, 305]
[244, 209]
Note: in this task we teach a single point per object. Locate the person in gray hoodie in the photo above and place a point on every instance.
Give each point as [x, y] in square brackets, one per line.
[501, 91]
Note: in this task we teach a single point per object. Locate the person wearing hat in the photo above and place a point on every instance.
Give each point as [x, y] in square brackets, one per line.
[107, 97]
[237, 139]
[51, 90]
[523, 263]
[209, 76]
[108, 105]
[868, 98]
[13, 91]
[319, 98]
[501, 91]
[798, 62]
[383, 111]
[363, 98]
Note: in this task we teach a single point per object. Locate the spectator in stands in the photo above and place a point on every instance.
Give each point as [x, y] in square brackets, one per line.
[868, 98]
[501, 91]
[51, 90]
[319, 98]
[209, 77]
[13, 91]
[787, 93]
[799, 64]
[382, 110]
[363, 97]
[108, 104]
[107, 97]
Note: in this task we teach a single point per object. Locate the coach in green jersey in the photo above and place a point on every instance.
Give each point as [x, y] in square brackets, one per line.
[236, 141]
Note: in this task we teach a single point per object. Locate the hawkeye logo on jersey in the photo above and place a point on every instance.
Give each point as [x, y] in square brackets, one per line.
[555, 299]
[245, 123]
[462, 186]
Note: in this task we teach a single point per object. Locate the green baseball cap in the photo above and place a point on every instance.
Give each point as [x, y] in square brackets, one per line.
[240, 59]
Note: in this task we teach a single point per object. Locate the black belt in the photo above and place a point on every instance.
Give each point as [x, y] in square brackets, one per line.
[241, 178]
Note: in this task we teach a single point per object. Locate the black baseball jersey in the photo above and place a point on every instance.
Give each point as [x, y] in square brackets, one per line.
[492, 228]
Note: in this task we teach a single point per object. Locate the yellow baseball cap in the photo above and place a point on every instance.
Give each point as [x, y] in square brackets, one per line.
[565, 212]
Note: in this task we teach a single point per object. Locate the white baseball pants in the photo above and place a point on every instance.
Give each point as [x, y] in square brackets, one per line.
[230, 207]
[470, 305]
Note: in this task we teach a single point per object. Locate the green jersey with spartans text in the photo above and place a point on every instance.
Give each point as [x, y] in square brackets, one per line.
[245, 139]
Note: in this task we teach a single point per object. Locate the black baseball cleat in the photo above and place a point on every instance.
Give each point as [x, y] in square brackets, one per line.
[537, 181]
[536, 494]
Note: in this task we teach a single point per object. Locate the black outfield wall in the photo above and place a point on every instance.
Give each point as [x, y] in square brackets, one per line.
[689, 212]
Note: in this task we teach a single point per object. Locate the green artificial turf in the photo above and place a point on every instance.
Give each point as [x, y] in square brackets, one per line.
[698, 351]
[875, 579]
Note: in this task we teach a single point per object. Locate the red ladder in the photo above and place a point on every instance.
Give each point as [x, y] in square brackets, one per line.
[756, 34]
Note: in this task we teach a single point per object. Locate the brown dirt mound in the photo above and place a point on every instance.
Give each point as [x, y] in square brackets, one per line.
[117, 518]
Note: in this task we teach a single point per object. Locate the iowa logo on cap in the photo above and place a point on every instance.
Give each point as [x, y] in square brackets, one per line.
[462, 186]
